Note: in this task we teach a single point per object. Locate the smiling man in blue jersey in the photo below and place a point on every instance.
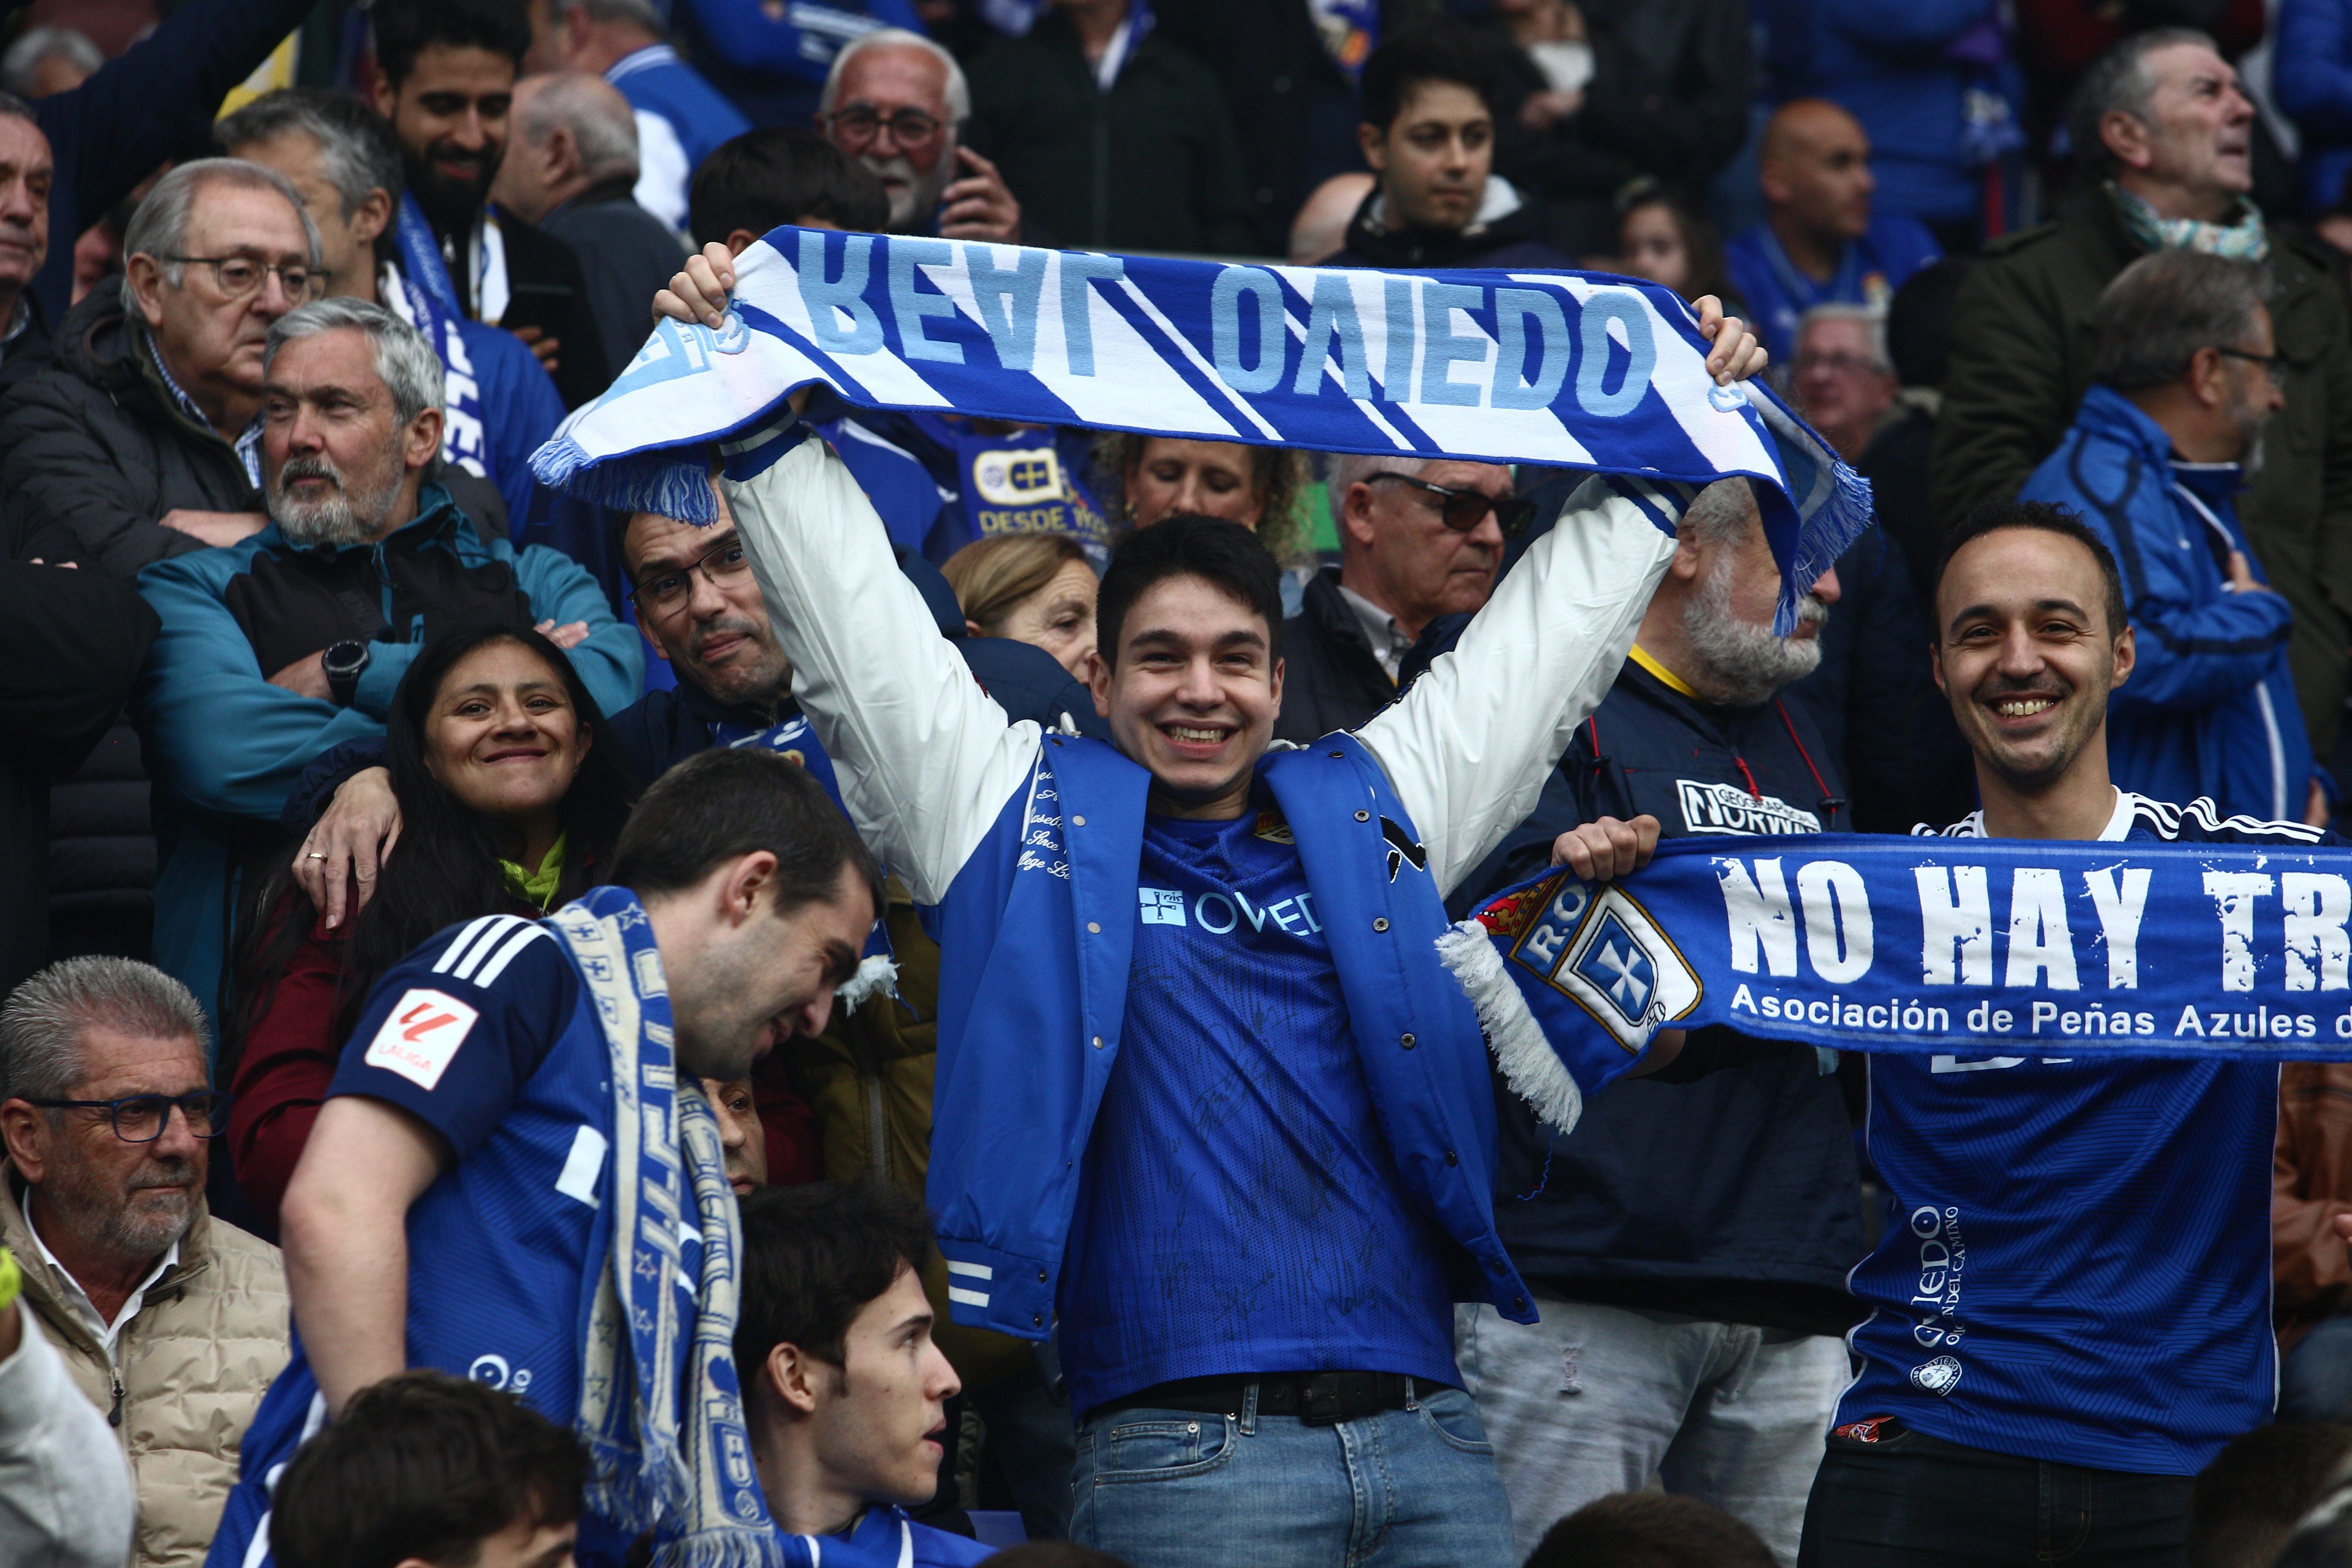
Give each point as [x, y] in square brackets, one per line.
[1206, 1094]
[512, 1094]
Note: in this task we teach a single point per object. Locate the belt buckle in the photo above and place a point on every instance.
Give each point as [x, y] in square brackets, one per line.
[1328, 1398]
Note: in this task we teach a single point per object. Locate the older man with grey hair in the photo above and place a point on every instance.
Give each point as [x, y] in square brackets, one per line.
[292, 642]
[896, 102]
[170, 1321]
[1688, 1242]
[1420, 542]
[143, 435]
[1841, 374]
[572, 168]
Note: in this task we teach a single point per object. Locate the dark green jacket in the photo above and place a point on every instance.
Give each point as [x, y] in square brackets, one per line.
[2021, 351]
[1149, 165]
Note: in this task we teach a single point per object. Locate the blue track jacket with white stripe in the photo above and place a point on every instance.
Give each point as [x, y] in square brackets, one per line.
[1024, 847]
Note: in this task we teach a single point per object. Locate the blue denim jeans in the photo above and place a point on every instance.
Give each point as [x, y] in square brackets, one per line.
[2315, 1380]
[1405, 1489]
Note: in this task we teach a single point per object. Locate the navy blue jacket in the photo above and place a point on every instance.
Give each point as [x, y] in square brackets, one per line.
[1735, 1198]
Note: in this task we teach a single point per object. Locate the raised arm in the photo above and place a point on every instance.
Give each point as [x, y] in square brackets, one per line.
[926, 759]
[1469, 748]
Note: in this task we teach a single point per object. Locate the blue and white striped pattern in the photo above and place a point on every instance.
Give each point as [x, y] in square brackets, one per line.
[1557, 368]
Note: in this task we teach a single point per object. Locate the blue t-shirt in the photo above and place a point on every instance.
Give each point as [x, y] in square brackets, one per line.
[1777, 294]
[1242, 1211]
[2077, 1260]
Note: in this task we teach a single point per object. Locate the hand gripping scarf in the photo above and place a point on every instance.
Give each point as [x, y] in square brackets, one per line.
[1575, 370]
[1966, 947]
[671, 1454]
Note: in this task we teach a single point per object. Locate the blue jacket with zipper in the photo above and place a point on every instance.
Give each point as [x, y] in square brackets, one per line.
[2210, 708]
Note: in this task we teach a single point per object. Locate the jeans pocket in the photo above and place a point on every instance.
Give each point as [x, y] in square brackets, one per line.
[1454, 1417]
[1166, 1448]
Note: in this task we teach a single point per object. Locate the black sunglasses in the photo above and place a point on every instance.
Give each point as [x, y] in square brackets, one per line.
[1463, 510]
[141, 1118]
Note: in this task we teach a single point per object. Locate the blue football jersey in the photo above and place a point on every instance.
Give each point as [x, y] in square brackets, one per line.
[2076, 1264]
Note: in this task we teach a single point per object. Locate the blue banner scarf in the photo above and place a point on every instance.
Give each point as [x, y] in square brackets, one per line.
[1926, 946]
[661, 1406]
[435, 310]
[1559, 368]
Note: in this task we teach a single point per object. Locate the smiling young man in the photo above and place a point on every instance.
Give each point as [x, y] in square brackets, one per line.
[1206, 1095]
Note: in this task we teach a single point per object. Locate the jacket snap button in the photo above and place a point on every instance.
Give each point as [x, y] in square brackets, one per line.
[1451, 1158]
[1518, 1303]
[1041, 1277]
[1193, 1427]
[1363, 816]
[1337, 755]
[1097, 1042]
[1381, 923]
[1037, 1321]
[1407, 1042]
[1077, 822]
[1094, 927]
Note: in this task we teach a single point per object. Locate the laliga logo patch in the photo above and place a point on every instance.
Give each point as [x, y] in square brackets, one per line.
[1021, 477]
[1936, 1376]
[1601, 950]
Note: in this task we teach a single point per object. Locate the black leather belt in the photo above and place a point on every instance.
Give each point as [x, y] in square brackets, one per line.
[1317, 1398]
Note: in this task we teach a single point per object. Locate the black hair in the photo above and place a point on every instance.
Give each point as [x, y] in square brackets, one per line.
[722, 804]
[422, 1465]
[780, 174]
[1226, 555]
[1054, 1554]
[814, 1255]
[1650, 1530]
[2041, 516]
[1920, 321]
[444, 868]
[406, 28]
[1438, 48]
[2246, 1503]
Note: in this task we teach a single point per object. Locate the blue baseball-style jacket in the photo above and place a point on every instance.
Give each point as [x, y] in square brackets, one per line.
[2209, 710]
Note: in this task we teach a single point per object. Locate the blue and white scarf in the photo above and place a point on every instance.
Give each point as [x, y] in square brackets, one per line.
[1560, 368]
[672, 1454]
[1958, 946]
[427, 300]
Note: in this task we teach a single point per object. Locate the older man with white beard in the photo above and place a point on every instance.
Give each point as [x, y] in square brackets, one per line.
[896, 102]
[280, 647]
[1689, 1240]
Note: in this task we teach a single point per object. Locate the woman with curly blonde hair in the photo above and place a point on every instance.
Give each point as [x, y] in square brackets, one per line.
[1142, 478]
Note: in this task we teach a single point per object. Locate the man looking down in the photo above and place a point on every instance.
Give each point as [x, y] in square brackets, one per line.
[1257, 1298]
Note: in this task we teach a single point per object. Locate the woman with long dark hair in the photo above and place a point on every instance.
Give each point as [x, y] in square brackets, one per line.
[507, 805]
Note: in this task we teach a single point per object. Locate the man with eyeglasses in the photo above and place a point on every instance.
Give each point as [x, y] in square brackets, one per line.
[143, 435]
[1420, 542]
[170, 1321]
[897, 103]
[1842, 376]
[2186, 376]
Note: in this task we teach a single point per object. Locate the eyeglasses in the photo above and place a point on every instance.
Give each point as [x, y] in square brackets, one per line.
[1837, 364]
[856, 126]
[240, 276]
[141, 1118]
[663, 595]
[1463, 510]
[2273, 365]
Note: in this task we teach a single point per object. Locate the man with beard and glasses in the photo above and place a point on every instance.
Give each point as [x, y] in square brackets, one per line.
[2187, 374]
[897, 103]
[292, 642]
[1688, 1242]
[445, 76]
[170, 1321]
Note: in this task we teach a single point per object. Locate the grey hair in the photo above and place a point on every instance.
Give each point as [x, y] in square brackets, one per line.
[42, 1021]
[1874, 324]
[1342, 472]
[644, 13]
[2119, 82]
[593, 111]
[959, 91]
[1724, 509]
[2158, 313]
[411, 371]
[160, 226]
[358, 152]
[25, 56]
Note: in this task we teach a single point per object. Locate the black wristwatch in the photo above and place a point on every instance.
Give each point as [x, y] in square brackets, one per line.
[344, 662]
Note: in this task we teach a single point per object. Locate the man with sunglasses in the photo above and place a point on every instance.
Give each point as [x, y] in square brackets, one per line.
[2185, 379]
[170, 1321]
[1420, 542]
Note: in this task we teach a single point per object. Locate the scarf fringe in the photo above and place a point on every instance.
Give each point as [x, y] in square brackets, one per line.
[661, 482]
[1529, 1065]
[733, 1547]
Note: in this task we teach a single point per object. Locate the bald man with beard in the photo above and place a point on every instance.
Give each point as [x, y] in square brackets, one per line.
[1819, 243]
